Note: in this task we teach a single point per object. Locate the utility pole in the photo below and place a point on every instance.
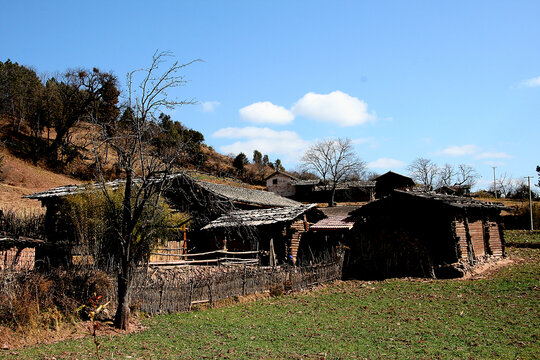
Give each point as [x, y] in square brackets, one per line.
[530, 201]
[494, 182]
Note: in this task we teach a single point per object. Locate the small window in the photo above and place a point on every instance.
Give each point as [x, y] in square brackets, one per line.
[274, 181]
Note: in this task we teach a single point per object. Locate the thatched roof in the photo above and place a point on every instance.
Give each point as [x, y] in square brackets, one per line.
[259, 217]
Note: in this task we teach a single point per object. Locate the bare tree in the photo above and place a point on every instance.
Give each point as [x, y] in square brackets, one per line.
[146, 168]
[424, 172]
[334, 160]
[466, 175]
[446, 175]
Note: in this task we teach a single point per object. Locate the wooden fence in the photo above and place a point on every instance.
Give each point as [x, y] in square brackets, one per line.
[159, 291]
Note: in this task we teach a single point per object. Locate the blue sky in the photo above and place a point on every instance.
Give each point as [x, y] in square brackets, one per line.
[453, 81]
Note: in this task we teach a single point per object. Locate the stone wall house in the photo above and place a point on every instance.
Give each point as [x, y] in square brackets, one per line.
[281, 183]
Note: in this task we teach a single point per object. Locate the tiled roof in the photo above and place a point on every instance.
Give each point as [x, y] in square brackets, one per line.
[248, 196]
[259, 217]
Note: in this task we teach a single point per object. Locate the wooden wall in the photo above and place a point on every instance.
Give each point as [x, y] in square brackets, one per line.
[477, 239]
[18, 259]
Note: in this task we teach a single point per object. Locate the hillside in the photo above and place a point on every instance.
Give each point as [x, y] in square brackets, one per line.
[20, 178]
[22, 174]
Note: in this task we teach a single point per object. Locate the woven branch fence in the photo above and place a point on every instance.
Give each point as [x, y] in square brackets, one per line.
[160, 291]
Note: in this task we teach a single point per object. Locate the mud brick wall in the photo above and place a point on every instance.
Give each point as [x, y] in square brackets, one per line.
[17, 259]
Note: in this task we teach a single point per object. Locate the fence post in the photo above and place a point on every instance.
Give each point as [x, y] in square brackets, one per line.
[244, 282]
[190, 293]
[161, 291]
[210, 293]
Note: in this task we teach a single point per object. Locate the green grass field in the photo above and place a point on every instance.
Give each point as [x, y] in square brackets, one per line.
[486, 318]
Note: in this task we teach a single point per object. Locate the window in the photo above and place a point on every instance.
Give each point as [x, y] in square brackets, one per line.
[274, 181]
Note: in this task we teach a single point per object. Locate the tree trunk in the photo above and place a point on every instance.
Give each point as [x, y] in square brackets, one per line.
[121, 319]
[332, 194]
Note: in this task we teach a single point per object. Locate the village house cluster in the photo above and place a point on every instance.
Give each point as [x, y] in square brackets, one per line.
[390, 230]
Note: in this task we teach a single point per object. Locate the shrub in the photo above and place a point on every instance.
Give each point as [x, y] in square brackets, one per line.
[34, 300]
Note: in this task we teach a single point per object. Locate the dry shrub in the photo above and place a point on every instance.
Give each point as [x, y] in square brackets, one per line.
[43, 301]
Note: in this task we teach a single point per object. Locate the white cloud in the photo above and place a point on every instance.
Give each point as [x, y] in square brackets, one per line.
[493, 155]
[385, 163]
[337, 107]
[533, 82]
[266, 112]
[285, 144]
[210, 106]
[460, 150]
[360, 141]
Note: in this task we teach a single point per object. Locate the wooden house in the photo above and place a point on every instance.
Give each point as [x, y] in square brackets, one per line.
[277, 232]
[200, 202]
[386, 183]
[411, 233]
[314, 191]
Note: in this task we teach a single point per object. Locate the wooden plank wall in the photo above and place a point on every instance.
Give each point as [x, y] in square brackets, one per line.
[169, 294]
[18, 259]
[297, 229]
[476, 231]
[495, 241]
[461, 233]
[172, 248]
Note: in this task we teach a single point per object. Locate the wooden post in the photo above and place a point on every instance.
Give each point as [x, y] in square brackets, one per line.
[272, 253]
[244, 282]
[210, 298]
[190, 294]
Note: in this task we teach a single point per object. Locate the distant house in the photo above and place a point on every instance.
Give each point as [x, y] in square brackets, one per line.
[411, 233]
[287, 185]
[200, 201]
[386, 183]
[281, 183]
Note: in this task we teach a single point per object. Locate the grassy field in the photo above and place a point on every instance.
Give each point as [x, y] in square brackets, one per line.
[494, 315]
